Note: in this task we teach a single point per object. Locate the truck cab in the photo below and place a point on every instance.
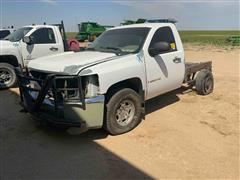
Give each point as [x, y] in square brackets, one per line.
[24, 45]
[107, 84]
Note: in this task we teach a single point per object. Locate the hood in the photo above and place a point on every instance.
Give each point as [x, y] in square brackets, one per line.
[70, 62]
[9, 48]
[8, 44]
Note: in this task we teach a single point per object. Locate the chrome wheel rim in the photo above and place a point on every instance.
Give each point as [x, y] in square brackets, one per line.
[125, 112]
[5, 76]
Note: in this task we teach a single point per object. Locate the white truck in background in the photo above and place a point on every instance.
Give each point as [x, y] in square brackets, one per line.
[107, 84]
[26, 44]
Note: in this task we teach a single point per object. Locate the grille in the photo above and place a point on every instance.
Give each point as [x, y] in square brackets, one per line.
[58, 88]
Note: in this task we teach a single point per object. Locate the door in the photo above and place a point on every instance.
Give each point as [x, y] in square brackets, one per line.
[165, 71]
[44, 43]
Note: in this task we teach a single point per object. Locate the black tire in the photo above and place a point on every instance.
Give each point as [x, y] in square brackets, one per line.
[204, 82]
[7, 69]
[113, 124]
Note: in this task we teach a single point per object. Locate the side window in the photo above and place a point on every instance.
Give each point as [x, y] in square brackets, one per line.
[43, 36]
[164, 34]
[4, 33]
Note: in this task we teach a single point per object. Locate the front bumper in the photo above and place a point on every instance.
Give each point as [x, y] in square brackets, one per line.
[80, 112]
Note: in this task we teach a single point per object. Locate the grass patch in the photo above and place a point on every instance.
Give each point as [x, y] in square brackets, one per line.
[219, 38]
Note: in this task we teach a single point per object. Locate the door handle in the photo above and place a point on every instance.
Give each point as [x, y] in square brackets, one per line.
[177, 60]
[53, 49]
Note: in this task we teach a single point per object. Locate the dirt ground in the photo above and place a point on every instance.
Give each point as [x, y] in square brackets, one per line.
[183, 136]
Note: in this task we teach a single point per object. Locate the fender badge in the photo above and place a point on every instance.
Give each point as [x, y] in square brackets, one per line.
[154, 80]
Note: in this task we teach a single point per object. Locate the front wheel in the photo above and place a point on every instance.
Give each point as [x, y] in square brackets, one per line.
[8, 77]
[123, 112]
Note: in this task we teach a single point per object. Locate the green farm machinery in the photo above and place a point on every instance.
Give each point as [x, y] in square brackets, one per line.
[90, 31]
[128, 22]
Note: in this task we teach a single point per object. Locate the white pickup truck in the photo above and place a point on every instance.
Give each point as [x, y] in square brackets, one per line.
[107, 84]
[28, 43]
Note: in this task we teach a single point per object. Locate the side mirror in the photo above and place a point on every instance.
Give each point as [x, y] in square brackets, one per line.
[158, 48]
[28, 40]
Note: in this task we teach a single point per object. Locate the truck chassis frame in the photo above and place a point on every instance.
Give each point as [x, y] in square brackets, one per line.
[193, 68]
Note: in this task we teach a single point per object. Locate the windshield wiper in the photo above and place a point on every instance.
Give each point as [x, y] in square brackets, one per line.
[117, 50]
[113, 48]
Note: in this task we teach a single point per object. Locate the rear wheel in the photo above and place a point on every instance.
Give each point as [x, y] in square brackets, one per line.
[8, 77]
[204, 82]
[123, 112]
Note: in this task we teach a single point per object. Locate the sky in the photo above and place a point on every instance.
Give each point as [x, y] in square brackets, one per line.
[191, 14]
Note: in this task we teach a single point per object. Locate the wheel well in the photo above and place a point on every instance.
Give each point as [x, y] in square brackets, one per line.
[133, 83]
[10, 60]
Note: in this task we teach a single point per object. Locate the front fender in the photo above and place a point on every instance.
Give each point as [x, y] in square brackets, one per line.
[10, 49]
[124, 68]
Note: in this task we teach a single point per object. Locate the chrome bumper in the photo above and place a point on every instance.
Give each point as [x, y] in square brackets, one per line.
[92, 116]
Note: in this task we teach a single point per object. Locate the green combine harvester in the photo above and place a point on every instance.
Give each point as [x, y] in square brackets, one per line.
[90, 31]
[128, 22]
[141, 20]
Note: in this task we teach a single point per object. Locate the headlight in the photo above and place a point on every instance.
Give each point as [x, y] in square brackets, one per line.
[91, 86]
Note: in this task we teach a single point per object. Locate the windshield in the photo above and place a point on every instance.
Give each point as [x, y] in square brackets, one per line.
[126, 40]
[18, 34]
